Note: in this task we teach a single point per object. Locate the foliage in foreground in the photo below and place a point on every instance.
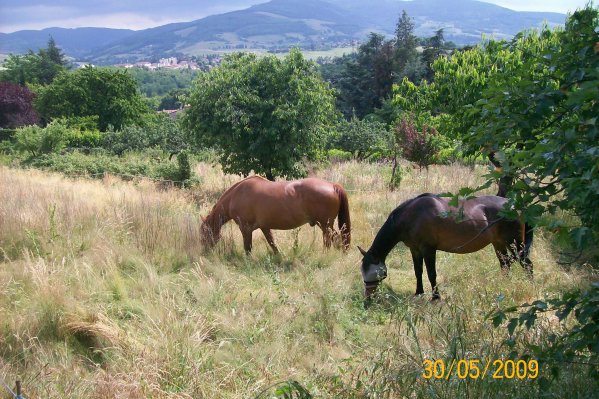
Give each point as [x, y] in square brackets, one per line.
[543, 124]
[578, 344]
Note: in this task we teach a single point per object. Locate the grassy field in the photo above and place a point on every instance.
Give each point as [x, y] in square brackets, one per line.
[107, 293]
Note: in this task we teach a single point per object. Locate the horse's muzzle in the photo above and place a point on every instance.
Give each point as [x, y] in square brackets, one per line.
[370, 289]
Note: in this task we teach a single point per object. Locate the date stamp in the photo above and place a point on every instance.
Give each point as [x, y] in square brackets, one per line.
[475, 369]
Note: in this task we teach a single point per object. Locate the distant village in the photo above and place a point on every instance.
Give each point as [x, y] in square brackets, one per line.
[196, 63]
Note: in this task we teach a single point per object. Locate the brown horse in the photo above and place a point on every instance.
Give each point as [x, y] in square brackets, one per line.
[427, 223]
[256, 203]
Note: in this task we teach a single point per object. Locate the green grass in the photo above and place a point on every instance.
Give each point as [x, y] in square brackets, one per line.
[107, 293]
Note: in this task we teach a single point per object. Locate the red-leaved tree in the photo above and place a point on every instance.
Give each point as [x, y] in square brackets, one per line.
[16, 106]
[416, 146]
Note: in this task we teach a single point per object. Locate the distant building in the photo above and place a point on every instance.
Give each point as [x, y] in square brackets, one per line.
[173, 113]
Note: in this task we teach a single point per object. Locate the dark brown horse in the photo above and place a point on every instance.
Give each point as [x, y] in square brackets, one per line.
[423, 224]
[256, 203]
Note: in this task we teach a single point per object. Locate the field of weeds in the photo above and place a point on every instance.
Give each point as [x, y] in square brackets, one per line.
[106, 292]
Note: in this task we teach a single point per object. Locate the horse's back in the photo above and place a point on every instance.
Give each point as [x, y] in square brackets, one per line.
[432, 222]
[284, 205]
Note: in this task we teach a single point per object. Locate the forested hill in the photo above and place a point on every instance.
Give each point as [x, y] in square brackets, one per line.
[76, 42]
[463, 20]
[279, 24]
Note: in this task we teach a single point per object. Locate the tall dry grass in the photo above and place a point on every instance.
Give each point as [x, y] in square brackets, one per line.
[107, 293]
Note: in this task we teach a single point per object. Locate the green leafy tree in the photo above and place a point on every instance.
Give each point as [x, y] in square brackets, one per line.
[264, 114]
[111, 95]
[362, 138]
[37, 68]
[543, 123]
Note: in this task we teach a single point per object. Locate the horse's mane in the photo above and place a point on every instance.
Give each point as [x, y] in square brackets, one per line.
[387, 237]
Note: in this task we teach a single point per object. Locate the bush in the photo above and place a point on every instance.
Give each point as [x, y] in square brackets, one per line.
[38, 141]
[339, 155]
[134, 165]
[361, 138]
[83, 139]
[163, 132]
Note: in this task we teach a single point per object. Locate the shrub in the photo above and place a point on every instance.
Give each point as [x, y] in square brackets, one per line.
[38, 141]
[163, 132]
[361, 138]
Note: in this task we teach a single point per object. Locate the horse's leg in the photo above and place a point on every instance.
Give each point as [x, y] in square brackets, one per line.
[504, 257]
[418, 259]
[270, 240]
[516, 249]
[430, 258]
[247, 238]
[527, 265]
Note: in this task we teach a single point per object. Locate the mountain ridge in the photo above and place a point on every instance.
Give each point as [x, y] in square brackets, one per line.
[279, 24]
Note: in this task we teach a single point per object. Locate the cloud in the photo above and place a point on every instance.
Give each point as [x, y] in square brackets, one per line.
[561, 6]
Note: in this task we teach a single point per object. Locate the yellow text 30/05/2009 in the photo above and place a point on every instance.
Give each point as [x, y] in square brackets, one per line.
[475, 369]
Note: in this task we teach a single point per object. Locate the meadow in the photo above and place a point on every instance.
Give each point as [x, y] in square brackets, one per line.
[106, 293]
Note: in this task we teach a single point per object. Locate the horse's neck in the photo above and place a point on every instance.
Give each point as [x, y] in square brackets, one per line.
[387, 238]
[220, 213]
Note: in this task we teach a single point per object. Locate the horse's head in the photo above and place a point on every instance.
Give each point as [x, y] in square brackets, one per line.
[209, 231]
[373, 270]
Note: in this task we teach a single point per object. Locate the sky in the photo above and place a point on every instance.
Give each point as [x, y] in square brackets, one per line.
[140, 14]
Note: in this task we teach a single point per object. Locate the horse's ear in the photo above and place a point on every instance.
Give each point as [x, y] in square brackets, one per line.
[362, 251]
[203, 218]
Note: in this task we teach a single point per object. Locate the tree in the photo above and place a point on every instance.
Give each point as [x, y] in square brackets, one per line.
[111, 95]
[407, 59]
[262, 114]
[418, 146]
[16, 106]
[40, 68]
[542, 119]
[363, 138]
[432, 52]
[365, 79]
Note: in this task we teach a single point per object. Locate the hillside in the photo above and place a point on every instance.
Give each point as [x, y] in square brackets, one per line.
[75, 42]
[463, 20]
[310, 24]
[279, 24]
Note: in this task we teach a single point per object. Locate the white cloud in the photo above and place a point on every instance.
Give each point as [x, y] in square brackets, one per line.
[561, 6]
[90, 14]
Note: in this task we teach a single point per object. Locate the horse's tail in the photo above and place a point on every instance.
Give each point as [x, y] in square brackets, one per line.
[343, 216]
[528, 236]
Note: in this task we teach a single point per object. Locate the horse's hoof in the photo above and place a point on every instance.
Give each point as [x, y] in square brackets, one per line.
[436, 297]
